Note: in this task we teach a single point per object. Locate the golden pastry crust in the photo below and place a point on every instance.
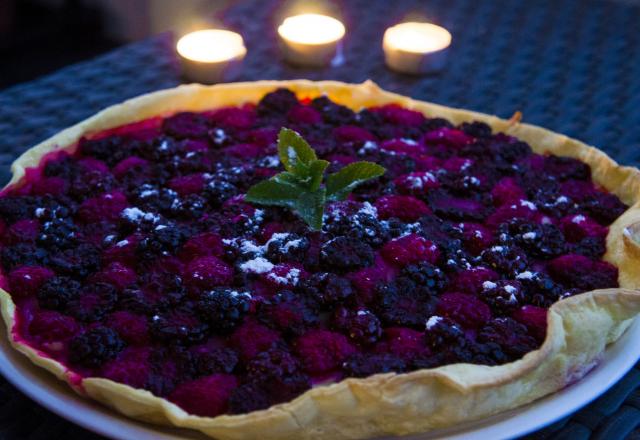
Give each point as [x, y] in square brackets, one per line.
[579, 327]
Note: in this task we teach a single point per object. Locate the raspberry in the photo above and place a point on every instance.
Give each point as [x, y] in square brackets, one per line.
[345, 254]
[252, 338]
[204, 272]
[185, 185]
[78, 262]
[365, 365]
[583, 273]
[22, 231]
[57, 292]
[503, 296]
[235, 118]
[303, 114]
[130, 164]
[362, 326]
[27, 280]
[206, 396]
[577, 227]
[454, 208]
[179, 326]
[95, 347]
[402, 342]
[103, 207]
[507, 192]
[410, 249]
[223, 308]
[523, 209]
[131, 327]
[475, 237]
[322, 351]
[398, 115]
[427, 276]
[365, 280]
[535, 318]
[50, 326]
[466, 310]
[471, 281]
[134, 372]
[447, 136]
[405, 208]
[116, 274]
[403, 304]
[505, 259]
[327, 289]
[513, 337]
[186, 125]
[94, 301]
[352, 133]
[402, 147]
[416, 183]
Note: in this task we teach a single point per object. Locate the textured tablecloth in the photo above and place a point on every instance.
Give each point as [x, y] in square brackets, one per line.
[571, 66]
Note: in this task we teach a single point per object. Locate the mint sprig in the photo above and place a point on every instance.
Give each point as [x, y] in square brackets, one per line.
[301, 188]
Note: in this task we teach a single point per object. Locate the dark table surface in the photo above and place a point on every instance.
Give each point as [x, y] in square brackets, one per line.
[571, 66]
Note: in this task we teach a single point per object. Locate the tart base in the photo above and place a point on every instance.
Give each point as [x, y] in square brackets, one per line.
[579, 327]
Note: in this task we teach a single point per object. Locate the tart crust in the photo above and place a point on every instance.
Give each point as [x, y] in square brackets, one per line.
[579, 327]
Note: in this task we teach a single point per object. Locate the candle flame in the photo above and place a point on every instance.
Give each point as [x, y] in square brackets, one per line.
[211, 45]
[311, 29]
[417, 37]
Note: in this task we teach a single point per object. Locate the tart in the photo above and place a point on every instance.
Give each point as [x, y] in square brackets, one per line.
[489, 266]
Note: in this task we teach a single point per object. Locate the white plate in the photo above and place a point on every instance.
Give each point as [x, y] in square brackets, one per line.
[57, 397]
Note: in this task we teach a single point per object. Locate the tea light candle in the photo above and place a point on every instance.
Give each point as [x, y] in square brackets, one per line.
[209, 55]
[415, 48]
[311, 39]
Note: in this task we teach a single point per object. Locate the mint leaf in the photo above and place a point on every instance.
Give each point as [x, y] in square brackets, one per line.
[300, 187]
[341, 183]
[271, 192]
[316, 172]
[310, 206]
[295, 153]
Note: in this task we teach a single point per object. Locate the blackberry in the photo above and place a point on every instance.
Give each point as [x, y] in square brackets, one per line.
[539, 289]
[427, 276]
[332, 113]
[345, 254]
[93, 302]
[273, 363]
[507, 260]
[564, 168]
[603, 207]
[476, 129]
[163, 240]
[276, 103]
[220, 360]
[78, 261]
[14, 208]
[177, 326]
[288, 312]
[287, 247]
[218, 191]
[148, 197]
[223, 308]
[110, 149]
[58, 234]
[23, 254]
[57, 292]
[65, 167]
[327, 288]
[510, 335]
[362, 326]
[364, 365]
[542, 241]
[402, 304]
[592, 247]
[454, 258]
[249, 397]
[134, 300]
[503, 296]
[95, 347]
[190, 207]
[442, 333]
[510, 152]
[362, 226]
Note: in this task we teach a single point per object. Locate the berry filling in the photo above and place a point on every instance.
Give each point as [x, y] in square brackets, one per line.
[136, 258]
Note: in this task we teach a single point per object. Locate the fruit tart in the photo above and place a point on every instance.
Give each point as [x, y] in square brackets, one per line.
[305, 259]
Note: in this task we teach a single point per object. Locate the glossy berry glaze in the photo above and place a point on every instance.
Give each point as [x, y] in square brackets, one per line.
[136, 259]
